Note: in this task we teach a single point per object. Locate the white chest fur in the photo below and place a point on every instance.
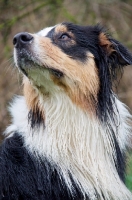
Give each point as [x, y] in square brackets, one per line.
[77, 144]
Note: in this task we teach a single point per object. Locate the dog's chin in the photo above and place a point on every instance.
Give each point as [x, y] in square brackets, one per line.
[26, 66]
[25, 60]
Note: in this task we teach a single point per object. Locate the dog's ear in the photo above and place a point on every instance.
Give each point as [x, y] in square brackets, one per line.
[113, 56]
[114, 50]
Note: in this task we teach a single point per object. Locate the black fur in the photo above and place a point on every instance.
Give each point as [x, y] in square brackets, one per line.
[25, 176]
[35, 118]
[120, 161]
[119, 157]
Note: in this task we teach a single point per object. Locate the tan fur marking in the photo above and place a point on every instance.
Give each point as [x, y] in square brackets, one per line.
[31, 96]
[59, 82]
[75, 94]
[80, 79]
[61, 28]
[86, 88]
[105, 43]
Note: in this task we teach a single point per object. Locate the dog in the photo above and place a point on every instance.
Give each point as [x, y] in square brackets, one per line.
[69, 132]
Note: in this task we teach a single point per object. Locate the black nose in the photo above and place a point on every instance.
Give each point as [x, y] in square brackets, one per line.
[22, 39]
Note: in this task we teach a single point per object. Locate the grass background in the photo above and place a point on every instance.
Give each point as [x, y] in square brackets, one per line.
[129, 172]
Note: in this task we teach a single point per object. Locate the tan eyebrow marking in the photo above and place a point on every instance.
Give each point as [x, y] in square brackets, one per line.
[61, 28]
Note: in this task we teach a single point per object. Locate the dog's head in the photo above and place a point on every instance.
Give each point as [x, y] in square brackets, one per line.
[80, 61]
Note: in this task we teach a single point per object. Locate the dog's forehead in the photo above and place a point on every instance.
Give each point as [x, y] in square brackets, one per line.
[57, 28]
[45, 31]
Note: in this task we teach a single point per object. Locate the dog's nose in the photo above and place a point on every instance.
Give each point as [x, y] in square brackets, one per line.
[22, 39]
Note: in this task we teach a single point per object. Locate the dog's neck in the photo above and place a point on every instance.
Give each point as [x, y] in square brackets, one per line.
[75, 141]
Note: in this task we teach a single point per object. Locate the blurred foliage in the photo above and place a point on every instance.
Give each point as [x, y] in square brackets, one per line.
[32, 15]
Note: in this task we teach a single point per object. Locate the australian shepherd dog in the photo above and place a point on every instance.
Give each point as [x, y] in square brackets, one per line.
[69, 132]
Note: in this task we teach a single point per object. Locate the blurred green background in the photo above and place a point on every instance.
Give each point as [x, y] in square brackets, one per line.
[33, 15]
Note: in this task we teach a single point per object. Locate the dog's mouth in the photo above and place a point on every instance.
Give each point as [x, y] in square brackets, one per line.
[27, 62]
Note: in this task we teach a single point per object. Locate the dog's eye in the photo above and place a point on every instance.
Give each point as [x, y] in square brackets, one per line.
[64, 36]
